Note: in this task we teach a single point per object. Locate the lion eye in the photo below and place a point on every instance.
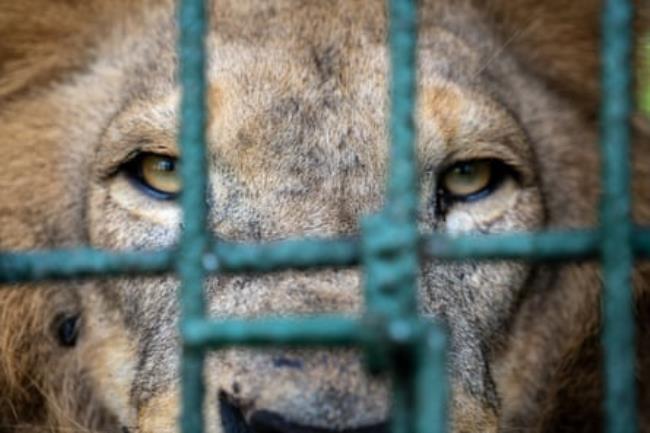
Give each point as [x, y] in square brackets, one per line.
[471, 180]
[157, 174]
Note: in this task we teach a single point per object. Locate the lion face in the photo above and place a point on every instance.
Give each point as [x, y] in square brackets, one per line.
[297, 144]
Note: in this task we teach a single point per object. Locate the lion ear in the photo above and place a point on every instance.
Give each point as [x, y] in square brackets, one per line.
[559, 40]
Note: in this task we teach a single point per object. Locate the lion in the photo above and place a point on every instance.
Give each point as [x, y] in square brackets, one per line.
[297, 146]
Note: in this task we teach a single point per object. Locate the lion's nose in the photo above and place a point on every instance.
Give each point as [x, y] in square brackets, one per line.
[269, 422]
[263, 421]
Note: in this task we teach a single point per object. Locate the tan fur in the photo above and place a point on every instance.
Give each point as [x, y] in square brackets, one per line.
[297, 146]
[44, 386]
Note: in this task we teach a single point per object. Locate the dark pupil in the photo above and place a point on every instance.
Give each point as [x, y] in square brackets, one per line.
[465, 169]
[68, 331]
[166, 165]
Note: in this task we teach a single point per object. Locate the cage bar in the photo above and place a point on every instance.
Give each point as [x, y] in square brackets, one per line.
[390, 240]
[390, 253]
[194, 240]
[297, 331]
[304, 254]
[616, 225]
[432, 384]
[644, 79]
[81, 263]
[287, 254]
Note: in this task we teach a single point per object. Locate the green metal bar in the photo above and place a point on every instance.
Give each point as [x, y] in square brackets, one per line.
[641, 243]
[390, 239]
[194, 241]
[617, 255]
[432, 383]
[403, 404]
[289, 254]
[303, 331]
[81, 263]
[403, 181]
[389, 244]
[390, 259]
[561, 245]
[644, 76]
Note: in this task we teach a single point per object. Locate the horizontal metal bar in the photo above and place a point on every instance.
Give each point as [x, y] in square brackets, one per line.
[297, 331]
[223, 257]
[288, 254]
[80, 263]
[545, 246]
[304, 254]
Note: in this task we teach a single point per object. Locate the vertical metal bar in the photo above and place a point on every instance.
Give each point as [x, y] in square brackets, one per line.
[403, 403]
[401, 208]
[399, 221]
[403, 186]
[432, 383]
[644, 78]
[617, 255]
[192, 23]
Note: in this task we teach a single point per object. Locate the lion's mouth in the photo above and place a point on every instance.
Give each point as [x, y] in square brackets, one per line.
[262, 421]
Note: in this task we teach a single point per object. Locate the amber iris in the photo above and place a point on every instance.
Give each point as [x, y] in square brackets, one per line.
[468, 178]
[160, 173]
